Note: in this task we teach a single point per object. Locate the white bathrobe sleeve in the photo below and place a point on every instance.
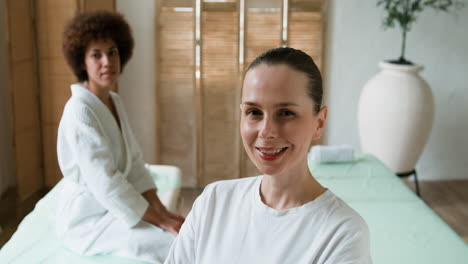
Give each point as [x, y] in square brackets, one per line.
[98, 169]
[139, 175]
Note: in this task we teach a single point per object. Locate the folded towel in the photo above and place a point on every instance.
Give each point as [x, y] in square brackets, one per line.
[329, 154]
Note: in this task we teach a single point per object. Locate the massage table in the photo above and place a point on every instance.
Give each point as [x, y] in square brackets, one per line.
[403, 229]
[34, 242]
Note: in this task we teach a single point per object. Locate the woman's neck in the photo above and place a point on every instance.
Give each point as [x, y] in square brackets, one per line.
[291, 189]
[101, 92]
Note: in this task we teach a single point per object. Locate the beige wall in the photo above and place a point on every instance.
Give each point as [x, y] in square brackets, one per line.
[137, 84]
[6, 146]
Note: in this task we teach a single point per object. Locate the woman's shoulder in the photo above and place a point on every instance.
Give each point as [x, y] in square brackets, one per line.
[340, 213]
[78, 110]
[346, 231]
[80, 98]
[83, 105]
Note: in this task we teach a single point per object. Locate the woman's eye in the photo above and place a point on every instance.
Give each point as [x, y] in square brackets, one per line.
[96, 55]
[287, 113]
[113, 52]
[254, 112]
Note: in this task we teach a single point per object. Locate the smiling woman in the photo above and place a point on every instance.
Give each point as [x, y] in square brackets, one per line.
[276, 123]
[283, 215]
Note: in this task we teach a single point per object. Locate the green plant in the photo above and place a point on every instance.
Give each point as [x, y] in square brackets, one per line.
[404, 13]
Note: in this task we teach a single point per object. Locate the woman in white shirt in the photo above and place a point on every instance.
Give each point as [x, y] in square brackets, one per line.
[108, 202]
[284, 215]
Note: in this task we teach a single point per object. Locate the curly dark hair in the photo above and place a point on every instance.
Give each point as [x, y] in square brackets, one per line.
[297, 60]
[92, 26]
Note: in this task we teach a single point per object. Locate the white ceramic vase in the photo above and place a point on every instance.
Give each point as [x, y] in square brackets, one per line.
[395, 115]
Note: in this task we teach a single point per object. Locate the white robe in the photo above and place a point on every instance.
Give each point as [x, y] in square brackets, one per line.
[101, 205]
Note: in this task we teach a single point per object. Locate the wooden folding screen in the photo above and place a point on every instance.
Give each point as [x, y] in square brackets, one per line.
[24, 95]
[40, 84]
[176, 102]
[219, 59]
[54, 77]
[305, 33]
[199, 117]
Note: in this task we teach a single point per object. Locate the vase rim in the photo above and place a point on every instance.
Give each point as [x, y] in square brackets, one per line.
[385, 65]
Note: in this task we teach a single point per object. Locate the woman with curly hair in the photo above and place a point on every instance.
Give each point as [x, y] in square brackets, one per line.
[109, 204]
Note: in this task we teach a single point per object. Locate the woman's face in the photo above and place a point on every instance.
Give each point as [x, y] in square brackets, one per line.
[278, 123]
[102, 63]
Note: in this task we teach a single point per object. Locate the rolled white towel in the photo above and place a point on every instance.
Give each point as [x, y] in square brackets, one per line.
[331, 154]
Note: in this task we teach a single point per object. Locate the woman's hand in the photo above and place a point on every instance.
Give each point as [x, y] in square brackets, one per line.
[164, 219]
[158, 215]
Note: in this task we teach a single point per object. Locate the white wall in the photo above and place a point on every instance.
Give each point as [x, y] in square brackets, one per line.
[137, 85]
[356, 42]
[6, 147]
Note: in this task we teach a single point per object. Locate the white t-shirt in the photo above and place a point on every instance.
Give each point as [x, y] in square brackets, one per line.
[230, 224]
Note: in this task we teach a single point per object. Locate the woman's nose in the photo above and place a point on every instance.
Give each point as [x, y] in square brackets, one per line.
[106, 60]
[268, 129]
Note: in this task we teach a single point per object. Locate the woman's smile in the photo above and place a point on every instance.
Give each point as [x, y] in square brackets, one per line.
[270, 154]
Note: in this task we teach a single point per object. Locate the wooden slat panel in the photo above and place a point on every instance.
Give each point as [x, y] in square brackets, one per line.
[29, 172]
[51, 167]
[29, 175]
[176, 3]
[305, 5]
[54, 76]
[27, 134]
[176, 93]
[305, 33]
[51, 16]
[219, 81]
[21, 36]
[220, 6]
[55, 80]
[263, 33]
[92, 5]
[25, 99]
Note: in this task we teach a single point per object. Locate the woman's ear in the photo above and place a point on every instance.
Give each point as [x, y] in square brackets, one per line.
[321, 118]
